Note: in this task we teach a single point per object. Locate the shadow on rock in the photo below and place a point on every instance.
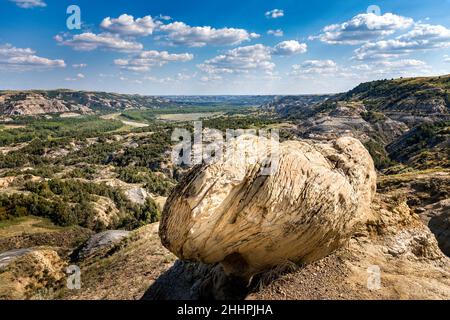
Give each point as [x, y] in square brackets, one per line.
[196, 281]
[440, 226]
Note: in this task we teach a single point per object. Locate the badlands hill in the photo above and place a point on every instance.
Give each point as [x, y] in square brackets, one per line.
[36, 102]
[411, 97]
[325, 240]
[317, 229]
[402, 121]
[238, 223]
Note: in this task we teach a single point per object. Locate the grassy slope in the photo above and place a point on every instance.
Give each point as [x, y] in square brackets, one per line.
[126, 271]
[386, 94]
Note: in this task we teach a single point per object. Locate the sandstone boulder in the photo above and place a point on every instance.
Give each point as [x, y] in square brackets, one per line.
[229, 213]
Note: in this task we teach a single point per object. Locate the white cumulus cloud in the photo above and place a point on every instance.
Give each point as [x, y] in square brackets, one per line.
[400, 64]
[289, 47]
[275, 13]
[385, 49]
[362, 28]
[421, 37]
[314, 67]
[128, 26]
[240, 60]
[251, 58]
[28, 4]
[79, 65]
[179, 33]
[394, 68]
[147, 59]
[21, 59]
[90, 41]
[79, 76]
[428, 36]
[276, 33]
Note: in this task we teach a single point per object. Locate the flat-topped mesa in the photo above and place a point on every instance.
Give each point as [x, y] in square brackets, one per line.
[229, 213]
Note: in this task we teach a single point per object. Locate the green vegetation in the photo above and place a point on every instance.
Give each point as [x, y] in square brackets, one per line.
[379, 155]
[50, 129]
[150, 152]
[72, 202]
[85, 172]
[35, 222]
[70, 153]
[154, 183]
[31, 153]
[105, 150]
[150, 115]
[139, 115]
[248, 122]
[414, 94]
[425, 146]
[373, 116]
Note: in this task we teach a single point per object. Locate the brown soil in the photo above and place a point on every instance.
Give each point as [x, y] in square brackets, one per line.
[125, 271]
[322, 280]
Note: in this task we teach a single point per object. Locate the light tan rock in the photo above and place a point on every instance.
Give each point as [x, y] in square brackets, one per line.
[228, 212]
[106, 212]
[34, 274]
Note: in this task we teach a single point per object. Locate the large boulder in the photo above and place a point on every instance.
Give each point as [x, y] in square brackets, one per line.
[228, 212]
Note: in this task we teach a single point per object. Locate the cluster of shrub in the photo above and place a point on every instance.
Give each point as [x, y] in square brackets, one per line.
[153, 182]
[249, 122]
[82, 127]
[72, 202]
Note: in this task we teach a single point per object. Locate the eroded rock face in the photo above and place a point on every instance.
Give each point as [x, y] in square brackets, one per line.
[32, 274]
[228, 213]
[9, 256]
[100, 241]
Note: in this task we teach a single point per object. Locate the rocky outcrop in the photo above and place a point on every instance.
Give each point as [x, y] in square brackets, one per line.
[106, 212]
[35, 102]
[196, 281]
[380, 114]
[100, 241]
[137, 195]
[427, 194]
[9, 256]
[351, 119]
[292, 106]
[32, 275]
[439, 223]
[229, 213]
[393, 241]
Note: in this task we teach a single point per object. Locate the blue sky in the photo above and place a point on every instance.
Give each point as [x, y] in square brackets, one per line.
[220, 47]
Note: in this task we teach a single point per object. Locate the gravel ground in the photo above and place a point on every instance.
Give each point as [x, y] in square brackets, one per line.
[321, 280]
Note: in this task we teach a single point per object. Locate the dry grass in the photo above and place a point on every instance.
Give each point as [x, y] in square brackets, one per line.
[177, 117]
[126, 271]
[26, 225]
[275, 273]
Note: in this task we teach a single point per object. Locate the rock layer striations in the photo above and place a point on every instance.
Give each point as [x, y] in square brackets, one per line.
[228, 212]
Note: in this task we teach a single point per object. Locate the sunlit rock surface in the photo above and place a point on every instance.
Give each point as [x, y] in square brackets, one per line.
[229, 213]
